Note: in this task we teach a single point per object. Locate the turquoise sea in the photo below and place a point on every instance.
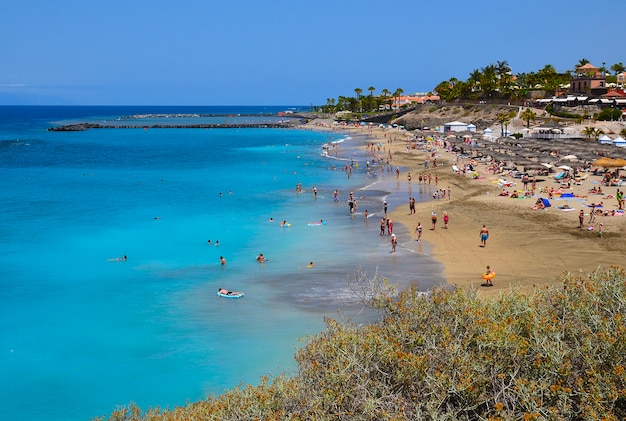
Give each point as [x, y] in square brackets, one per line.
[82, 334]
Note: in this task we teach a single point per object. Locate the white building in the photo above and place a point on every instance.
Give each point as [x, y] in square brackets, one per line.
[454, 126]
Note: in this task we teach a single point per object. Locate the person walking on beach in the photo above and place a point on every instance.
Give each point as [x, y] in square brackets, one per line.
[394, 243]
[383, 224]
[389, 226]
[484, 235]
[385, 207]
[446, 218]
[433, 218]
[418, 230]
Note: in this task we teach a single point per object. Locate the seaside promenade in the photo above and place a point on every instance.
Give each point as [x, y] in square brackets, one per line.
[527, 247]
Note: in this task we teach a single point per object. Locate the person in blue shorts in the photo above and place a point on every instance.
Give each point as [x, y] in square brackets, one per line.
[484, 235]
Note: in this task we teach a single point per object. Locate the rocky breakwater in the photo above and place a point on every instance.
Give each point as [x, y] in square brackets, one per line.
[88, 126]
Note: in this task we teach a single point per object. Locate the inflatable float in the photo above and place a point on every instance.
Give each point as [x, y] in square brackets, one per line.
[489, 276]
[237, 294]
[314, 224]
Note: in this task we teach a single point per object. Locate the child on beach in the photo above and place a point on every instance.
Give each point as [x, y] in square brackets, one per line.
[488, 276]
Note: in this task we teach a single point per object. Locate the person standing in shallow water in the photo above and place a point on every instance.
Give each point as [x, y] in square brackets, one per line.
[418, 230]
[394, 243]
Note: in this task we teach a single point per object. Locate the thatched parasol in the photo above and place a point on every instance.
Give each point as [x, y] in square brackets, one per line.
[620, 162]
[606, 163]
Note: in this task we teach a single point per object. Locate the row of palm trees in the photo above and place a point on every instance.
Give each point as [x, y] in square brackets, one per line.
[360, 103]
[496, 81]
[492, 82]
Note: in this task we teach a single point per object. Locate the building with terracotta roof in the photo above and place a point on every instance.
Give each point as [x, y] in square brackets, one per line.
[588, 80]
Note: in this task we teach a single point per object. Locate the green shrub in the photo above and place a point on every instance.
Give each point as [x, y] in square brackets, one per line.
[557, 353]
[609, 114]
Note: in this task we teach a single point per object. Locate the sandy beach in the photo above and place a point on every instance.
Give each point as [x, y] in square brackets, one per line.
[526, 248]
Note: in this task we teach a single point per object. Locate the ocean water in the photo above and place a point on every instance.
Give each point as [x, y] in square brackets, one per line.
[82, 333]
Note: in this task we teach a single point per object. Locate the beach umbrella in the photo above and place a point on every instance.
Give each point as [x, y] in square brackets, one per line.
[569, 158]
[564, 167]
[604, 162]
[545, 164]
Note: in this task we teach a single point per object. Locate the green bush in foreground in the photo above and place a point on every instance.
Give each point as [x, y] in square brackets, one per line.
[554, 354]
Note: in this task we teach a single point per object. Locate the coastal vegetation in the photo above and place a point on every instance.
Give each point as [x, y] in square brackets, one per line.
[556, 353]
[498, 82]
[492, 83]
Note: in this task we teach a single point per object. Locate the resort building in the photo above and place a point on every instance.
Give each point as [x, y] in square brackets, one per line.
[588, 80]
[414, 99]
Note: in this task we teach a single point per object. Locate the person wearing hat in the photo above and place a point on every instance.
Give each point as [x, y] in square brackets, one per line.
[394, 243]
[434, 219]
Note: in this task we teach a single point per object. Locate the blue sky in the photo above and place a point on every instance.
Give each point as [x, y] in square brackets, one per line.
[244, 52]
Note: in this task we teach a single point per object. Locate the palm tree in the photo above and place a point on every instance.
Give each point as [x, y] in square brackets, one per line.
[358, 92]
[504, 120]
[489, 80]
[528, 115]
[397, 94]
[371, 89]
[473, 83]
[618, 68]
[502, 67]
[386, 92]
[592, 132]
[582, 62]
